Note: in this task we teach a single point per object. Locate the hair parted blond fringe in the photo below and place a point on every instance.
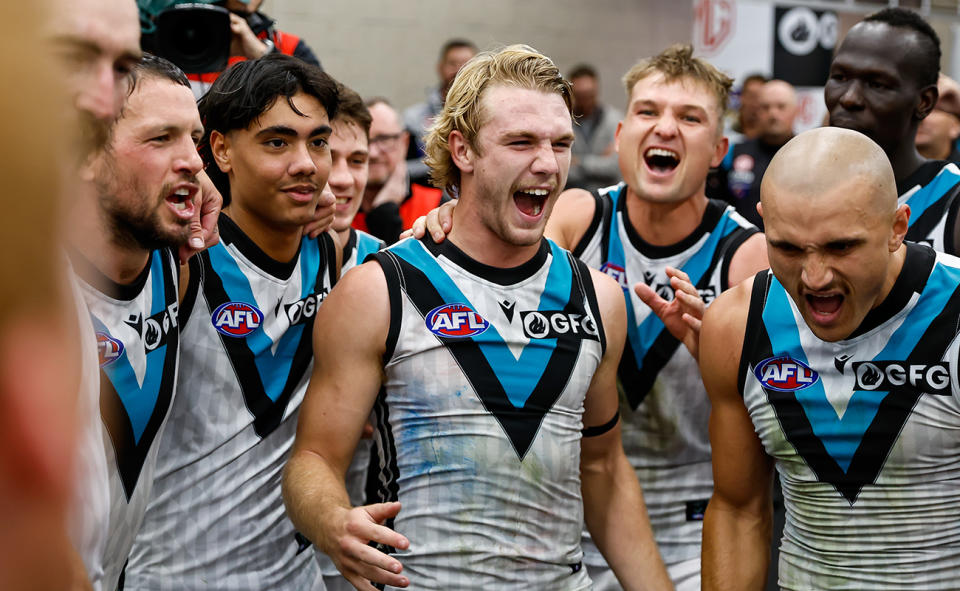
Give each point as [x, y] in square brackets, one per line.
[677, 63]
[520, 66]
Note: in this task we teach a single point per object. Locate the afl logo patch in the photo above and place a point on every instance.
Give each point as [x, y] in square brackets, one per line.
[236, 319]
[617, 272]
[785, 374]
[109, 349]
[455, 321]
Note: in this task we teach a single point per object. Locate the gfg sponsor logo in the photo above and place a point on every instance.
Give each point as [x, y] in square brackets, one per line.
[455, 321]
[544, 324]
[785, 374]
[236, 319]
[933, 378]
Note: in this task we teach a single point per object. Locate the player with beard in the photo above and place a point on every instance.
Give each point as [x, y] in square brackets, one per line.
[489, 361]
[126, 261]
[838, 369]
[217, 520]
[883, 82]
[658, 232]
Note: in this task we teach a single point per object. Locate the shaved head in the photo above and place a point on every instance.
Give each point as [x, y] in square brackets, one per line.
[822, 163]
[780, 90]
[834, 229]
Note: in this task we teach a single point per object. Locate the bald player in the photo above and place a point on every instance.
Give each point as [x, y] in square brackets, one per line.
[839, 368]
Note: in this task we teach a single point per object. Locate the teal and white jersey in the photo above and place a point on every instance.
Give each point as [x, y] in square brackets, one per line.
[478, 422]
[137, 338]
[664, 406]
[217, 520]
[931, 192]
[359, 245]
[865, 432]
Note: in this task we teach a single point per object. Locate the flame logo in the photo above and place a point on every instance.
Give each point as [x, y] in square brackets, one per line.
[868, 375]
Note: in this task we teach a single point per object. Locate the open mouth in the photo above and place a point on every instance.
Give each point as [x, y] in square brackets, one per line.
[181, 201]
[824, 307]
[530, 201]
[661, 160]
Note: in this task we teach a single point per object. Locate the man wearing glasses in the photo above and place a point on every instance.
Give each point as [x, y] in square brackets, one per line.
[392, 199]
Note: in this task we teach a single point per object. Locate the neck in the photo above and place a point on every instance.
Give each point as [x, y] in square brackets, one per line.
[280, 244]
[776, 141]
[93, 236]
[893, 272]
[664, 224]
[905, 159]
[472, 235]
[935, 152]
[343, 236]
[370, 193]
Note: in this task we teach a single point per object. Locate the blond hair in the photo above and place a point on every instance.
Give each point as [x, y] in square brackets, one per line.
[677, 63]
[519, 66]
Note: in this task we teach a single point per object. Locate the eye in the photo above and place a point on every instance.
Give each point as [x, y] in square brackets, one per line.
[520, 143]
[786, 248]
[358, 161]
[160, 139]
[691, 118]
[320, 142]
[838, 76]
[276, 143]
[646, 112]
[562, 145]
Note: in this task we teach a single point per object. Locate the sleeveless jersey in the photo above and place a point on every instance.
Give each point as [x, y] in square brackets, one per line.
[479, 418]
[664, 405]
[217, 519]
[865, 432]
[359, 245]
[137, 338]
[931, 193]
[89, 511]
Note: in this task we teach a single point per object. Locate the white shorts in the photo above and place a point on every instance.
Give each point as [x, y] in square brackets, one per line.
[685, 576]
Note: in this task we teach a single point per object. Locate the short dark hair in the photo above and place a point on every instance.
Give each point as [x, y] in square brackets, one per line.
[928, 68]
[452, 44]
[581, 70]
[755, 77]
[352, 110]
[154, 66]
[246, 90]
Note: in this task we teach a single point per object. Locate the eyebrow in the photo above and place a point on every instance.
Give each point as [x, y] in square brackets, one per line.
[91, 47]
[289, 131]
[530, 135]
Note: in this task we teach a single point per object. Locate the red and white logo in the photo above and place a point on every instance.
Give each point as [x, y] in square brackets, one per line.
[109, 349]
[455, 321]
[236, 319]
[713, 24]
[785, 374]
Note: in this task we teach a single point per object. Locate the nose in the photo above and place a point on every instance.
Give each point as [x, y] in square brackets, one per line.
[100, 92]
[545, 161]
[666, 126]
[817, 273]
[852, 97]
[301, 161]
[340, 177]
[188, 161]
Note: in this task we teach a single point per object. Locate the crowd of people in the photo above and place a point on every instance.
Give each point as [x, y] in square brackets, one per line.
[288, 337]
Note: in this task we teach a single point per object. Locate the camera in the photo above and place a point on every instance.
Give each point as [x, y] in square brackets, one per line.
[195, 37]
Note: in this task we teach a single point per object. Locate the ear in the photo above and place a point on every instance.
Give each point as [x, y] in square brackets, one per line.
[928, 100]
[719, 151]
[220, 148]
[760, 208]
[616, 137]
[460, 151]
[88, 168]
[901, 219]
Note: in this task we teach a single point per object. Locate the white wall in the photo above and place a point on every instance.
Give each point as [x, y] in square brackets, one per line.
[389, 47]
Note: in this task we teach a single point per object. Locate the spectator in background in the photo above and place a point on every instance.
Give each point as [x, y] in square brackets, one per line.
[746, 162]
[747, 123]
[418, 118]
[595, 162]
[937, 134]
[392, 200]
[254, 35]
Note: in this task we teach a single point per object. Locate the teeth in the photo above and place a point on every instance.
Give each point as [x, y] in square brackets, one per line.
[342, 200]
[536, 209]
[180, 205]
[182, 192]
[537, 192]
[662, 152]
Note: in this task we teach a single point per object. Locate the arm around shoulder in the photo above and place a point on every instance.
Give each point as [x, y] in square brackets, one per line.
[737, 524]
[750, 259]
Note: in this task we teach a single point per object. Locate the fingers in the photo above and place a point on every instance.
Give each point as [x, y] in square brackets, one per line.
[445, 215]
[693, 322]
[435, 226]
[417, 230]
[649, 297]
[323, 216]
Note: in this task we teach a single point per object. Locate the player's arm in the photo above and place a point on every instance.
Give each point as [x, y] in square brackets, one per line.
[344, 384]
[737, 524]
[570, 218]
[613, 506]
